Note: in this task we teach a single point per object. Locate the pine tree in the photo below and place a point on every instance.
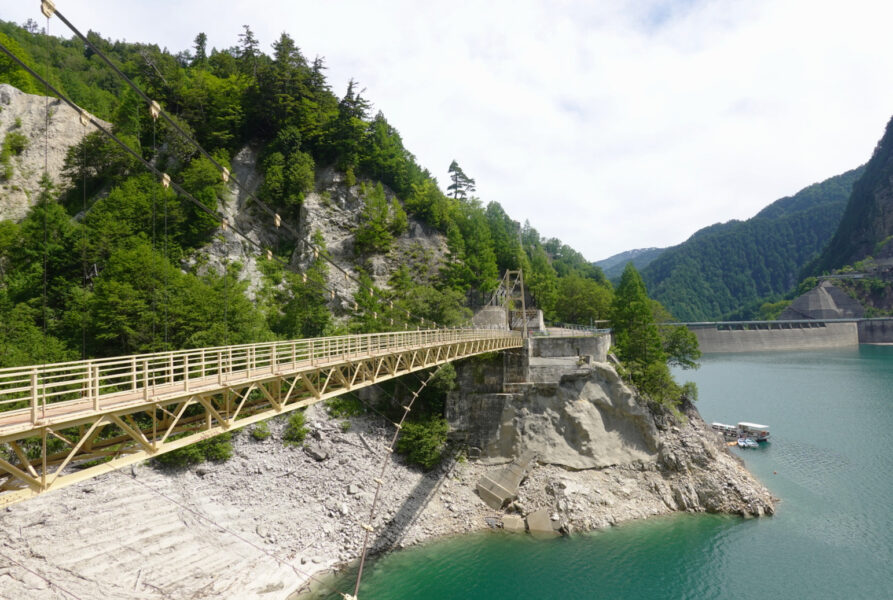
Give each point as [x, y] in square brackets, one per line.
[462, 185]
[201, 50]
[248, 51]
[635, 333]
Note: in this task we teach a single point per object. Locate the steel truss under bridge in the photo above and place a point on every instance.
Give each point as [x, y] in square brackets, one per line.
[510, 294]
[66, 422]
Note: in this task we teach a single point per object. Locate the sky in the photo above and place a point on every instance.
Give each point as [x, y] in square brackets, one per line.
[609, 124]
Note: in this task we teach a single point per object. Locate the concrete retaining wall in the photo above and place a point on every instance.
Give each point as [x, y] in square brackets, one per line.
[491, 317]
[823, 335]
[876, 331]
[550, 347]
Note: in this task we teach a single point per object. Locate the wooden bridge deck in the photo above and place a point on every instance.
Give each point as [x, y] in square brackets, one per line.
[65, 422]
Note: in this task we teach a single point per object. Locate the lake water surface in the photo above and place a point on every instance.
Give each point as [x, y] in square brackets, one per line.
[830, 462]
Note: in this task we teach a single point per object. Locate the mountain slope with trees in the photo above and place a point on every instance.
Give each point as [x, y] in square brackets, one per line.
[866, 226]
[640, 257]
[125, 272]
[726, 266]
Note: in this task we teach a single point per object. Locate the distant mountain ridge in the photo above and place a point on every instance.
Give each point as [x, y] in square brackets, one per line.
[641, 257]
[725, 266]
[866, 226]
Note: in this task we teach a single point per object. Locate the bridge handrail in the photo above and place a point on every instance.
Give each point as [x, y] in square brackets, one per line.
[37, 386]
[575, 327]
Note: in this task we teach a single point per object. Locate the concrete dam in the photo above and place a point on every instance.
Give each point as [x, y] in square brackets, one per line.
[806, 334]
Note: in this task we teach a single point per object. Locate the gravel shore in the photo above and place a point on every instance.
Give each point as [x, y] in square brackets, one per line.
[261, 525]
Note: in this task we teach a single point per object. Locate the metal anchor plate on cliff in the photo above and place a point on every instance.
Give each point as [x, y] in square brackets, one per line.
[500, 487]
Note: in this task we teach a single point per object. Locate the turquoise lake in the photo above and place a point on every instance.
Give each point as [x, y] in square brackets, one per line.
[829, 462]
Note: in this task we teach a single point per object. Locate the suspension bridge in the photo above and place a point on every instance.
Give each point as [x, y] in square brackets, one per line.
[63, 423]
[68, 422]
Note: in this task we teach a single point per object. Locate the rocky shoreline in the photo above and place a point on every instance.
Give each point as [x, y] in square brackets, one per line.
[284, 514]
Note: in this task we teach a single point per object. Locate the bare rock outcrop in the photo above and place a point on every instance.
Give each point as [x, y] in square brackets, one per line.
[46, 143]
[334, 208]
[283, 515]
[606, 454]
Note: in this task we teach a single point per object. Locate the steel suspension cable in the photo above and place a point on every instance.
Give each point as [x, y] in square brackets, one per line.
[227, 175]
[85, 241]
[235, 534]
[379, 481]
[48, 581]
[46, 182]
[162, 176]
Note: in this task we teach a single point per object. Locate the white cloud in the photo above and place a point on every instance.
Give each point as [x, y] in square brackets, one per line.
[611, 124]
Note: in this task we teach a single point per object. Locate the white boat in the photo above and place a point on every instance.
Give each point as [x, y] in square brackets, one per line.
[729, 431]
[746, 442]
[754, 431]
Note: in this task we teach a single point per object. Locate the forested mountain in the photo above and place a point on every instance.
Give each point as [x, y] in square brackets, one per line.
[640, 257]
[867, 223]
[726, 266]
[112, 262]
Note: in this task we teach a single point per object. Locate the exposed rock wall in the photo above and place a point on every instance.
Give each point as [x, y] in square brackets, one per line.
[26, 114]
[334, 209]
[258, 526]
[580, 419]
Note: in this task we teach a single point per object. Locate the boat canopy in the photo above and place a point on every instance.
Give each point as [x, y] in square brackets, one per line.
[744, 425]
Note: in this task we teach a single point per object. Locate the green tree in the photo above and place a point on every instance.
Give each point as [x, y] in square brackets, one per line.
[248, 52]
[373, 234]
[398, 222]
[636, 336]
[506, 235]
[296, 430]
[200, 58]
[11, 72]
[680, 345]
[423, 442]
[582, 301]
[298, 308]
[289, 173]
[462, 185]
[202, 180]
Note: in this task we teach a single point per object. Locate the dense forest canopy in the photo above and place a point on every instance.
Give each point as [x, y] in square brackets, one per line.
[726, 267]
[116, 263]
[121, 269]
[866, 226]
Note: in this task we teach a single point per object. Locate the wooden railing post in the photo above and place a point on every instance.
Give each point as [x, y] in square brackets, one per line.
[145, 379]
[185, 372]
[33, 395]
[90, 381]
[96, 387]
[133, 373]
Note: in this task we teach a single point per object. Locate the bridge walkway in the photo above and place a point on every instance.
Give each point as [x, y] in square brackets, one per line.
[66, 422]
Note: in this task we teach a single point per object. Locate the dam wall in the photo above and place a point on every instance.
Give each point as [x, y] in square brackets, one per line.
[768, 336]
[876, 331]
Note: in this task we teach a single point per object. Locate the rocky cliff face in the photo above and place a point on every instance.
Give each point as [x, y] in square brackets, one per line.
[333, 208]
[25, 114]
[281, 513]
[605, 454]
